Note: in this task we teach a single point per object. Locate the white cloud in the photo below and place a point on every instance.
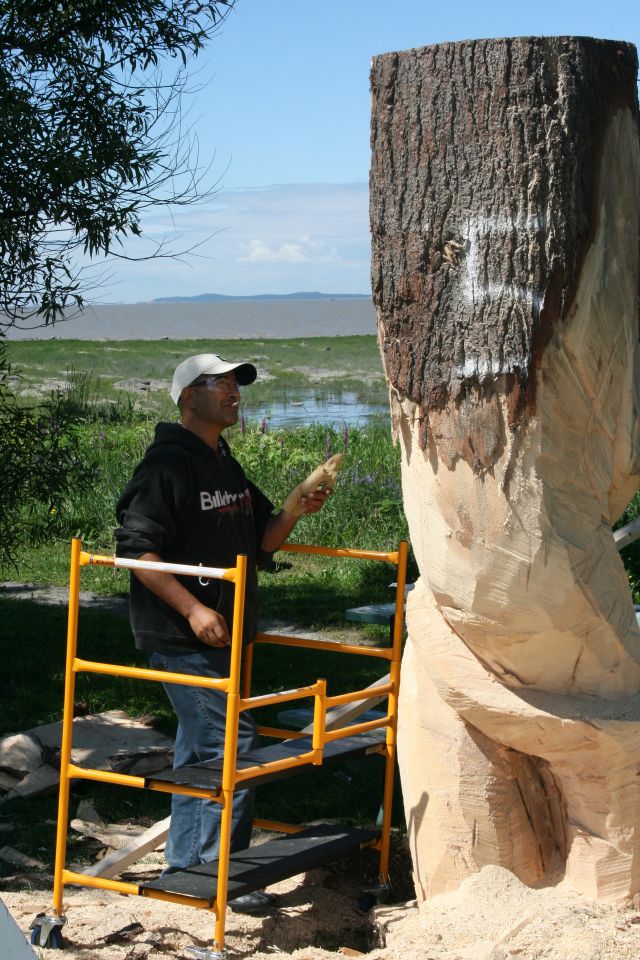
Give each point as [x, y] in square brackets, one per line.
[302, 250]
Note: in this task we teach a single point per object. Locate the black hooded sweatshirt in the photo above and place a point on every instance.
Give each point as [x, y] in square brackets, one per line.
[189, 504]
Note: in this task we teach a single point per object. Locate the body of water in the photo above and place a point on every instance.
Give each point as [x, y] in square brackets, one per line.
[237, 319]
[336, 411]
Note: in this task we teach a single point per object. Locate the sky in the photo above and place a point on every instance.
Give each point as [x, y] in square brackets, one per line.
[281, 110]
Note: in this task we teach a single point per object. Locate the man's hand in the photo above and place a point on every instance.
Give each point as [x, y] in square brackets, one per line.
[280, 526]
[308, 497]
[312, 502]
[209, 627]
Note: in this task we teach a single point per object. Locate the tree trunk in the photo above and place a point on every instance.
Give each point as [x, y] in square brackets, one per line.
[505, 212]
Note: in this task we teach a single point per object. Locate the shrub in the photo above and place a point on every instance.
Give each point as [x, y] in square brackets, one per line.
[40, 459]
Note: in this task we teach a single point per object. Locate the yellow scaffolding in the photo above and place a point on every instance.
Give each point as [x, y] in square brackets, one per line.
[237, 687]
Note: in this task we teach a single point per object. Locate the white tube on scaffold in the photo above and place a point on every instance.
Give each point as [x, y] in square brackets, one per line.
[186, 569]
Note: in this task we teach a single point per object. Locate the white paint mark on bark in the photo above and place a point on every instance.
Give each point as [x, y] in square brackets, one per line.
[482, 228]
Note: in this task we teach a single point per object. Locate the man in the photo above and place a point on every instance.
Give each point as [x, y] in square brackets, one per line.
[189, 501]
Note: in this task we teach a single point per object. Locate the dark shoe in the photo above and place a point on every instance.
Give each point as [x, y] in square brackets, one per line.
[256, 902]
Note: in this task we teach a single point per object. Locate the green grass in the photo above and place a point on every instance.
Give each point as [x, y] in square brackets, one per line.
[364, 511]
[288, 369]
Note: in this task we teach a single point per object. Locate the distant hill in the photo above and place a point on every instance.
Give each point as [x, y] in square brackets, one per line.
[307, 295]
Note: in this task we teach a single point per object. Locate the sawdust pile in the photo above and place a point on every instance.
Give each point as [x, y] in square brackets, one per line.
[493, 916]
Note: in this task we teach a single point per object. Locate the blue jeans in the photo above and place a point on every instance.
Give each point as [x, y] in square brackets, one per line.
[194, 834]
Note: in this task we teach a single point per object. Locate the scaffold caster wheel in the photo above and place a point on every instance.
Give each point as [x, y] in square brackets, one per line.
[46, 931]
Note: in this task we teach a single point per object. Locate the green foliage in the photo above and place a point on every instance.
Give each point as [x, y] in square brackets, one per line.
[112, 450]
[631, 554]
[365, 509]
[40, 458]
[111, 436]
[85, 133]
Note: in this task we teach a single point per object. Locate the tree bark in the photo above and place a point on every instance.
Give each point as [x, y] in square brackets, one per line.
[505, 215]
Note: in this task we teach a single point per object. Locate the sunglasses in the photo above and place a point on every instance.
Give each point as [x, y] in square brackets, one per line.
[222, 381]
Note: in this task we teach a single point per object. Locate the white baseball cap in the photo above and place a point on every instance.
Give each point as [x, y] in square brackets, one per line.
[208, 363]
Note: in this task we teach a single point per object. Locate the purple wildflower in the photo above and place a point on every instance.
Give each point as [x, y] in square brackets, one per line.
[263, 425]
[243, 423]
[345, 435]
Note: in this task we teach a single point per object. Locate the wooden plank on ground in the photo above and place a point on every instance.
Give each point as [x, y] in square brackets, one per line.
[114, 863]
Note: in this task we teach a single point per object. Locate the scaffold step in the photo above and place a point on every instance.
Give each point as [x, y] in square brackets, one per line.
[208, 775]
[266, 863]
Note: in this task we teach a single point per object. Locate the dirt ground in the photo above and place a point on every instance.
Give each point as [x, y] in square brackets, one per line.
[316, 913]
[492, 916]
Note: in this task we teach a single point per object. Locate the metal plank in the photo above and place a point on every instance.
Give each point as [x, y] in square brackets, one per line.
[209, 775]
[266, 863]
